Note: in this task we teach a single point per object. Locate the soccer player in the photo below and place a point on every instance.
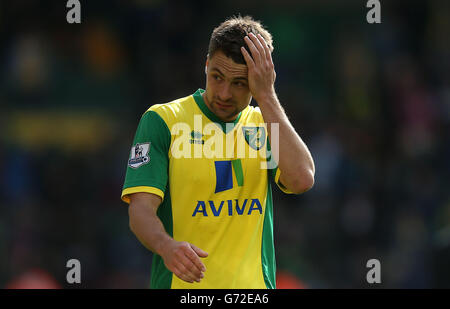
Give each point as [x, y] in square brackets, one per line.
[199, 187]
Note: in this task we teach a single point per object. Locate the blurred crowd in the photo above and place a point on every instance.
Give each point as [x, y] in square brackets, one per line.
[371, 101]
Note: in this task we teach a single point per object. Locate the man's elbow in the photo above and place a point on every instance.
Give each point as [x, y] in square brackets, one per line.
[302, 183]
[131, 218]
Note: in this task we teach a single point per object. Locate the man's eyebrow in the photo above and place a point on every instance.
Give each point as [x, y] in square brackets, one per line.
[216, 69]
[235, 78]
[240, 78]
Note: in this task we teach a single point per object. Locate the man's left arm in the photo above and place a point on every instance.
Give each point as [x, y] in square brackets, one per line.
[295, 161]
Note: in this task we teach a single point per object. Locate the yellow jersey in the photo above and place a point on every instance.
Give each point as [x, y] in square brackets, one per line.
[215, 182]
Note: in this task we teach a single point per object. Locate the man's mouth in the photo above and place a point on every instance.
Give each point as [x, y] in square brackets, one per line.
[223, 105]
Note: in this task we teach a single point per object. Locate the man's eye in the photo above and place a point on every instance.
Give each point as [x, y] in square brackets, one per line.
[240, 84]
[217, 77]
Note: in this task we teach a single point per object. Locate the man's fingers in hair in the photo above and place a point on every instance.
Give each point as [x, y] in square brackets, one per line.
[266, 48]
[248, 58]
[255, 53]
[258, 45]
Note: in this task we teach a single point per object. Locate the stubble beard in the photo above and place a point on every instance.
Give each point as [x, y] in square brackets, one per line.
[226, 115]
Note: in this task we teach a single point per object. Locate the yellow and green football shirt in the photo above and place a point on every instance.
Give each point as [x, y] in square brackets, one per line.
[215, 182]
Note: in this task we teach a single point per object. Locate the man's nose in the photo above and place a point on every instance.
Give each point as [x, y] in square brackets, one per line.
[225, 92]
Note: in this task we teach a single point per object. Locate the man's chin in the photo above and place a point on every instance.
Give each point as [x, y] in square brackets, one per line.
[225, 116]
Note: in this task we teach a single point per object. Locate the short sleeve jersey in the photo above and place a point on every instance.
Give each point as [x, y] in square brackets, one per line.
[214, 179]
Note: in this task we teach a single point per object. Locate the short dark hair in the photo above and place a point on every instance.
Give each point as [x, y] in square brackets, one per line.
[229, 37]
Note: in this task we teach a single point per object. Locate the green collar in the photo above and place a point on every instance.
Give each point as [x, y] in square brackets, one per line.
[211, 116]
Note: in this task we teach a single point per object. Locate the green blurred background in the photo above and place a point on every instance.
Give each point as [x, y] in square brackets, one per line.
[372, 102]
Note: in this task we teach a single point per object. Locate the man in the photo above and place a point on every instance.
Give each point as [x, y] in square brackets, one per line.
[205, 209]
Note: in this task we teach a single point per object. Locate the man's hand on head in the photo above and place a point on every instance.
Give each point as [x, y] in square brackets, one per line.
[261, 70]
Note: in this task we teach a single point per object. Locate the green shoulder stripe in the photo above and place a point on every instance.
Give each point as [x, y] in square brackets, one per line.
[148, 160]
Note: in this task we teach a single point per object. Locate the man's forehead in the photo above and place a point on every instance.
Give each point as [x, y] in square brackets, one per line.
[227, 66]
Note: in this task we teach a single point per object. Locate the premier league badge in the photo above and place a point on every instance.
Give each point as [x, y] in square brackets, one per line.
[139, 155]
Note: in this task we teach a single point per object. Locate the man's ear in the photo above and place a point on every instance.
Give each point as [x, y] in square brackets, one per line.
[206, 66]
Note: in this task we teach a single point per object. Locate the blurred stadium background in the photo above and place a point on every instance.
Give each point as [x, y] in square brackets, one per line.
[372, 102]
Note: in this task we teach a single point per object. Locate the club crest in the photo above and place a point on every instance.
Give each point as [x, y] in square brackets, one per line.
[255, 136]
